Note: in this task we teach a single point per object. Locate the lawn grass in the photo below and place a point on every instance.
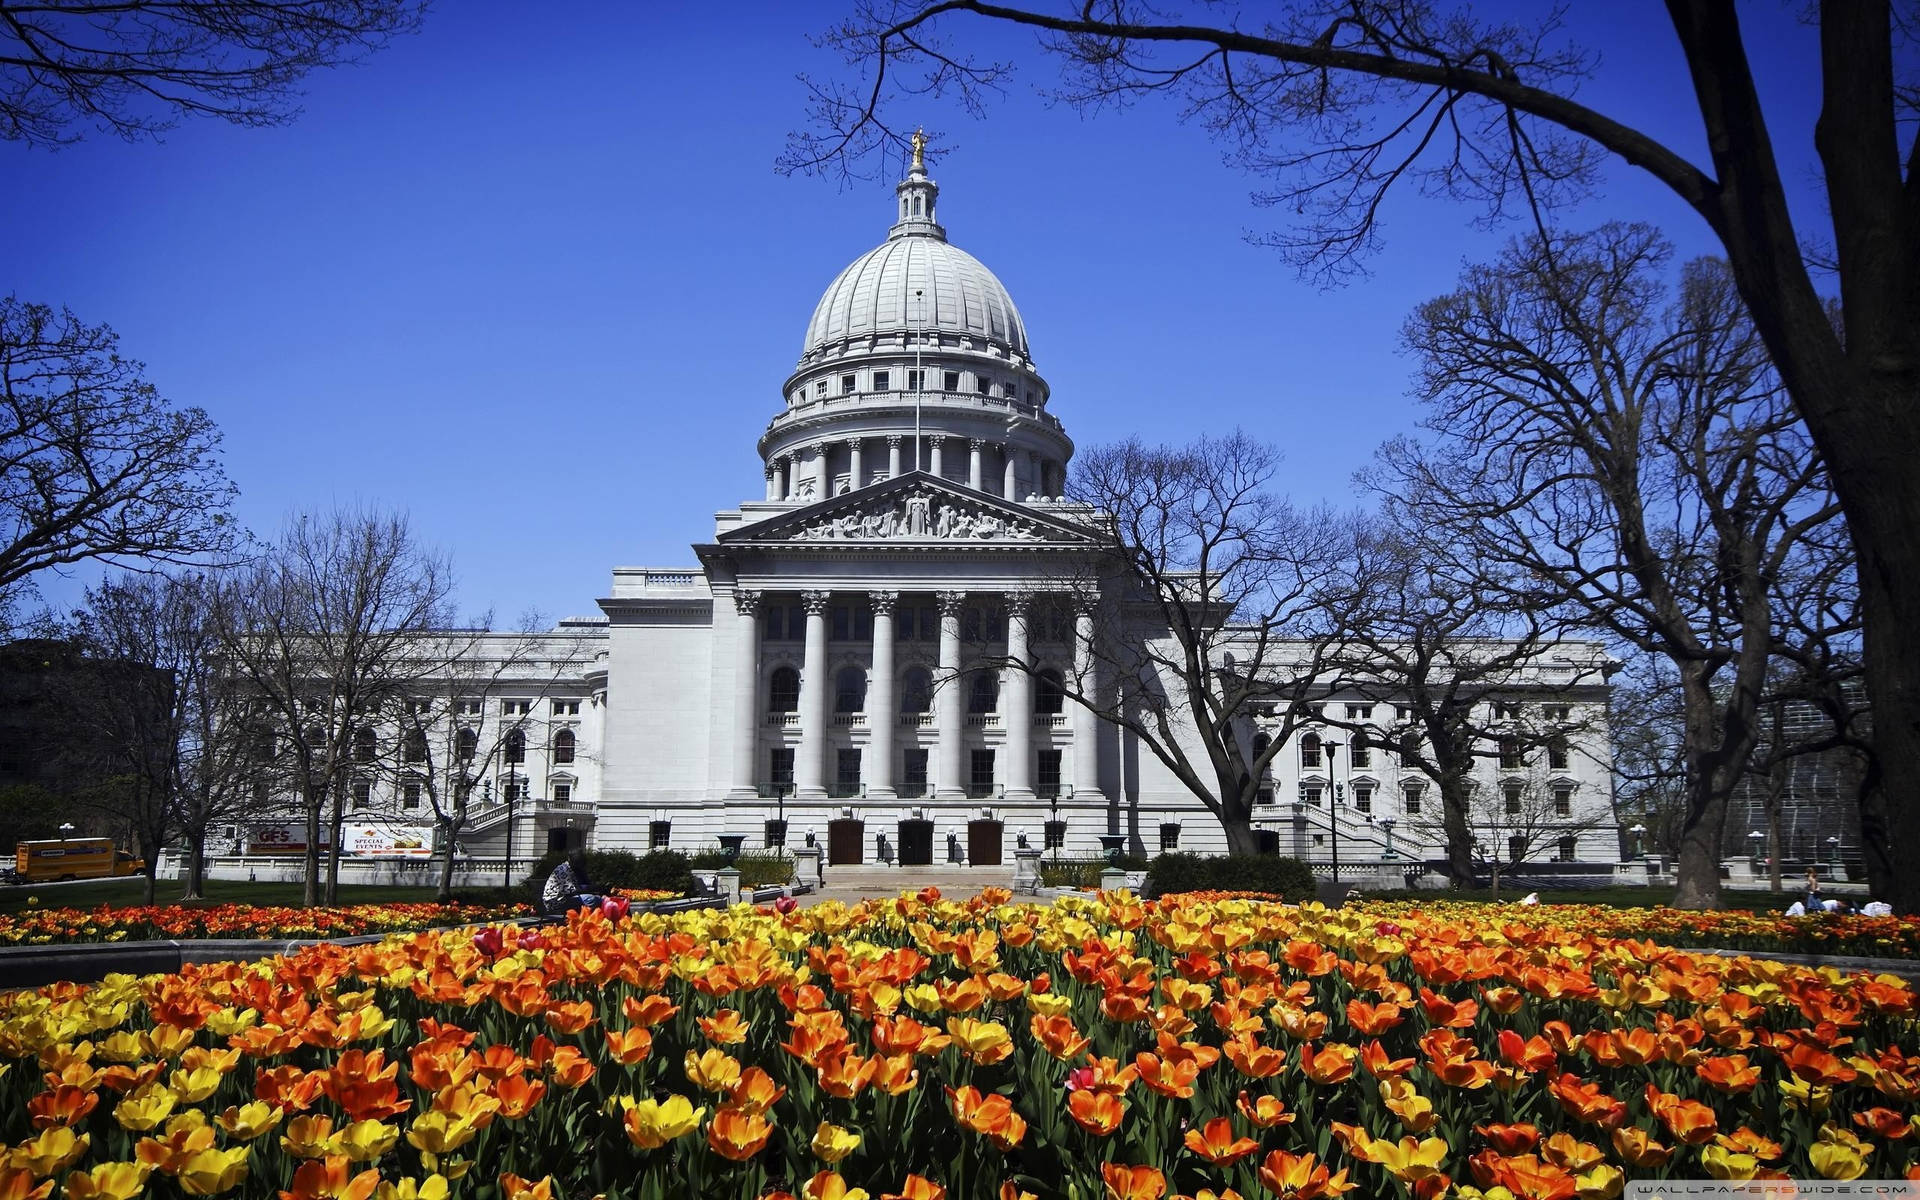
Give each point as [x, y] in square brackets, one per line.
[118, 892]
[1619, 897]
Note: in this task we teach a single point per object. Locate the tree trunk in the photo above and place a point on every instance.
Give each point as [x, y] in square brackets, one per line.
[1773, 848]
[196, 872]
[337, 822]
[454, 825]
[310, 894]
[1236, 821]
[1455, 802]
[1874, 837]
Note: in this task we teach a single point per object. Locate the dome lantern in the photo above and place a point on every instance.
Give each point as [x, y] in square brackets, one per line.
[917, 195]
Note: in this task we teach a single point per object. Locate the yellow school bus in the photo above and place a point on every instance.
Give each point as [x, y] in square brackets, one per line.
[73, 858]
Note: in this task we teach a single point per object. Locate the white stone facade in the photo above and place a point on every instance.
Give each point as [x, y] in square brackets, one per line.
[907, 532]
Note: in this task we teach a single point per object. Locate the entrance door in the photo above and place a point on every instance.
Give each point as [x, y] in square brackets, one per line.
[916, 843]
[564, 839]
[846, 842]
[983, 843]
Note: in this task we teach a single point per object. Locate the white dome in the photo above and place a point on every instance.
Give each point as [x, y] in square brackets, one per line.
[913, 281]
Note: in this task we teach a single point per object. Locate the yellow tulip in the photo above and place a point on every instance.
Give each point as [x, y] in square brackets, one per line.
[832, 1143]
[1603, 1182]
[194, 1086]
[364, 1141]
[1835, 1160]
[108, 1181]
[144, 1109]
[309, 1136]
[437, 1132]
[211, 1172]
[1409, 1160]
[1049, 1004]
[250, 1120]
[715, 1070]
[924, 996]
[651, 1124]
[433, 1187]
[52, 1150]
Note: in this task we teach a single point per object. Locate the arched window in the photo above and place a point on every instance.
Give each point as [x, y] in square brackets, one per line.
[983, 694]
[414, 745]
[1511, 758]
[363, 745]
[465, 744]
[1310, 750]
[916, 691]
[850, 690]
[563, 743]
[783, 696]
[514, 748]
[1050, 694]
[1260, 743]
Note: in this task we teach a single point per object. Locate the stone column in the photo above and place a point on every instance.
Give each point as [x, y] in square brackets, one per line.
[822, 478]
[853, 456]
[934, 466]
[773, 481]
[1013, 471]
[893, 456]
[949, 704]
[1033, 472]
[882, 719]
[786, 466]
[810, 765]
[746, 693]
[974, 446]
[1086, 726]
[1018, 710]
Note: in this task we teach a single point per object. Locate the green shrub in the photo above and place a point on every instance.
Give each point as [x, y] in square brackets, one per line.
[764, 868]
[1287, 878]
[665, 870]
[1083, 871]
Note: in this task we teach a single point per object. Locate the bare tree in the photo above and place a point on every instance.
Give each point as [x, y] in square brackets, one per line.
[1216, 604]
[135, 67]
[94, 463]
[1523, 819]
[446, 742]
[1449, 640]
[1643, 464]
[1644, 712]
[326, 631]
[1339, 101]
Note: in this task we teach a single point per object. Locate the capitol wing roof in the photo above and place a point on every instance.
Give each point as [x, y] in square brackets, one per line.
[914, 510]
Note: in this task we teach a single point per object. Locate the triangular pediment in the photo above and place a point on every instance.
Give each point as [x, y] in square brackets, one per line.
[914, 509]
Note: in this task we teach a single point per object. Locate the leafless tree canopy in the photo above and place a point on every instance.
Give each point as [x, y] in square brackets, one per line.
[135, 67]
[1629, 451]
[94, 462]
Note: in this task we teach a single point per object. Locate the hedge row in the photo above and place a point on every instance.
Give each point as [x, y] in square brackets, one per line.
[1288, 878]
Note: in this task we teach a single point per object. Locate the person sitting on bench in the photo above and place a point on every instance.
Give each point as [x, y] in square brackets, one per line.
[568, 887]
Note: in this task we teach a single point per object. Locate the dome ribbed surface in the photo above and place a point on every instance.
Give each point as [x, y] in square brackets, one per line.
[875, 294]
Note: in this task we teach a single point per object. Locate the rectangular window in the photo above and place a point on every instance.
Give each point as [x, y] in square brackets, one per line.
[1359, 712]
[980, 777]
[1169, 836]
[1557, 712]
[1310, 751]
[982, 384]
[916, 380]
[929, 625]
[1363, 797]
[1055, 833]
[881, 381]
[362, 794]
[820, 388]
[1567, 847]
[467, 708]
[562, 793]
[780, 770]
[842, 622]
[1512, 794]
[862, 624]
[510, 792]
[516, 708]
[776, 624]
[1506, 712]
[1046, 783]
[566, 708]
[1510, 757]
[1411, 797]
[913, 772]
[419, 708]
[410, 796]
[1310, 793]
[1517, 847]
[796, 623]
[1362, 751]
[1563, 801]
[659, 834]
[846, 774]
[950, 381]
[1558, 756]
[903, 625]
[1400, 712]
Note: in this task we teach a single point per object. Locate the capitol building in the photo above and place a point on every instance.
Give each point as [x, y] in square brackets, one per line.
[834, 661]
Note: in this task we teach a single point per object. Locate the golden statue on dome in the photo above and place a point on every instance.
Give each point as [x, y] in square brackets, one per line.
[919, 141]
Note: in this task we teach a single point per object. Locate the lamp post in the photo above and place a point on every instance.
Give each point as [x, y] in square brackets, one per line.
[1386, 823]
[1333, 808]
[1639, 833]
[66, 830]
[507, 790]
[1833, 856]
[1755, 839]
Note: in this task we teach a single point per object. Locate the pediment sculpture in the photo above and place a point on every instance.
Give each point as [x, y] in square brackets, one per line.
[919, 516]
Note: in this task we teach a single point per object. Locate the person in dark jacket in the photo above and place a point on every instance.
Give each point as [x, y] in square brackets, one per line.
[568, 887]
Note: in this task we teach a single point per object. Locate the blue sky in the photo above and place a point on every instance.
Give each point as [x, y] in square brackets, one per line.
[531, 276]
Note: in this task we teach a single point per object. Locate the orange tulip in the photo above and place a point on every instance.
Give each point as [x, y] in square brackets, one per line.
[1448, 1014]
[316, 1178]
[1528, 1054]
[1253, 1060]
[1301, 1177]
[1510, 1139]
[756, 1091]
[738, 1134]
[828, 1185]
[63, 1105]
[517, 1096]
[843, 1073]
[1059, 1037]
[1636, 1147]
[1885, 1123]
[1215, 1142]
[1264, 1112]
[1373, 1019]
[992, 1115]
[629, 1046]
[1098, 1113]
[724, 1028]
[1132, 1183]
[1585, 1102]
[894, 1074]
[916, 1188]
[1334, 1064]
[985, 1042]
[1374, 1058]
[648, 1010]
[1730, 1074]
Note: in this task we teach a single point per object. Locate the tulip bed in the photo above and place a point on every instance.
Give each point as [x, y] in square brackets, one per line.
[920, 1048]
[44, 926]
[1829, 933]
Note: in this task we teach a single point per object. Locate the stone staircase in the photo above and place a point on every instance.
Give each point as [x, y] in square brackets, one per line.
[869, 881]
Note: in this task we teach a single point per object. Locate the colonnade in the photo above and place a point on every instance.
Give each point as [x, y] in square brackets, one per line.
[805, 473]
[879, 763]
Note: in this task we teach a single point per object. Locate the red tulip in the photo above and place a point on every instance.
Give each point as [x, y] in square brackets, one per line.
[785, 904]
[489, 941]
[613, 907]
